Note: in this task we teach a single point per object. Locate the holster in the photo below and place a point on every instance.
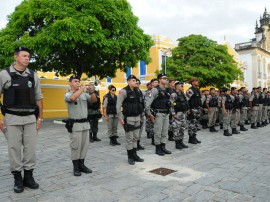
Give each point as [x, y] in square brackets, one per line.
[69, 124]
[129, 127]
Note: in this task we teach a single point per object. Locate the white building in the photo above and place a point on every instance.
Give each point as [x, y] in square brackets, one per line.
[256, 54]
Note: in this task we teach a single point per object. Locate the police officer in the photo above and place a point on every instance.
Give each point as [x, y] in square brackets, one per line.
[195, 104]
[138, 83]
[110, 114]
[254, 107]
[179, 110]
[22, 108]
[129, 99]
[227, 106]
[261, 98]
[204, 114]
[145, 93]
[149, 125]
[94, 113]
[160, 103]
[171, 90]
[212, 106]
[265, 108]
[243, 113]
[237, 106]
[220, 113]
[77, 124]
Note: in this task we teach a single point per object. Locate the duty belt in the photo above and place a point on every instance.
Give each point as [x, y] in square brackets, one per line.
[19, 113]
[79, 120]
[165, 111]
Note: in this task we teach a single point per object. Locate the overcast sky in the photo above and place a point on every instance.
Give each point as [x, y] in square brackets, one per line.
[234, 19]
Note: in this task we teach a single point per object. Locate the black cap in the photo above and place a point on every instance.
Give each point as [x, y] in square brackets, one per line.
[178, 82]
[131, 77]
[225, 90]
[161, 75]
[152, 80]
[74, 77]
[22, 48]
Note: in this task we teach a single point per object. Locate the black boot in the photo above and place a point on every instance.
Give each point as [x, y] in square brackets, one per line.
[18, 181]
[95, 137]
[130, 157]
[76, 168]
[263, 124]
[195, 137]
[163, 148]
[259, 124]
[191, 139]
[159, 151]
[212, 129]
[91, 137]
[177, 144]
[139, 147]
[112, 141]
[115, 141]
[182, 144]
[253, 126]
[221, 126]
[148, 135]
[153, 140]
[226, 133]
[247, 122]
[83, 168]
[235, 131]
[136, 157]
[242, 128]
[28, 180]
[170, 136]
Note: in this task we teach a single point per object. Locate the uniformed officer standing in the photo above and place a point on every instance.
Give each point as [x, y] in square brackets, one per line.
[138, 83]
[77, 124]
[179, 110]
[265, 108]
[204, 111]
[129, 100]
[237, 106]
[261, 98]
[220, 115]
[110, 114]
[195, 105]
[22, 108]
[171, 90]
[254, 107]
[243, 113]
[149, 125]
[146, 94]
[212, 106]
[227, 106]
[94, 113]
[160, 103]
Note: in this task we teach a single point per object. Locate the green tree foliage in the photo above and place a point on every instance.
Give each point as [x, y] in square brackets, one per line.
[95, 37]
[198, 56]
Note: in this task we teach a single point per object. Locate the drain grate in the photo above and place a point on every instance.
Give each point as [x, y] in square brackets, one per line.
[162, 171]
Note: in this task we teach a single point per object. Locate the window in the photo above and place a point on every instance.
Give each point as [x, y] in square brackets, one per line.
[128, 71]
[142, 68]
[109, 79]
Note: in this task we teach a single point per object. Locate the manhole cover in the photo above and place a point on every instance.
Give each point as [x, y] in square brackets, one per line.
[162, 171]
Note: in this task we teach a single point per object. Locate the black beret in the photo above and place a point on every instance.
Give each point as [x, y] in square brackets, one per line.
[178, 82]
[22, 48]
[152, 80]
[74, 77]
[131, 77]
[161, 75]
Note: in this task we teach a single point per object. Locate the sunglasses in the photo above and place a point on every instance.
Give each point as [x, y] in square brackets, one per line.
[113, 90]
[165, 78]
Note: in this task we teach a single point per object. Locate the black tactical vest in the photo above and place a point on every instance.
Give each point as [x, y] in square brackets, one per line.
[132, 104]
[142, 101]
[246, 101]
[111, 106]
[261, 99]
[228, 103]
[163, 99]
[181, 103]
[255, 101]
[213, 102]
[195, 100]
[268, 100]
[95, 105]
[237, 103]
[21, 93]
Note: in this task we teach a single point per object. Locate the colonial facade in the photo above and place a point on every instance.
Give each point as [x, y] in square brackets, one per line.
[256, 54]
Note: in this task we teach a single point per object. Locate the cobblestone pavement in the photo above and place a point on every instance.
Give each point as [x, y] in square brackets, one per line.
[222, 168]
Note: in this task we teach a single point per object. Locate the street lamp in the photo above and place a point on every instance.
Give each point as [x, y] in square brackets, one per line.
[165, 54]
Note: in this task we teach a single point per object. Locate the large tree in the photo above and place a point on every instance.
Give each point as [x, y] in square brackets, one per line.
[95, 37]
[198, 56]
